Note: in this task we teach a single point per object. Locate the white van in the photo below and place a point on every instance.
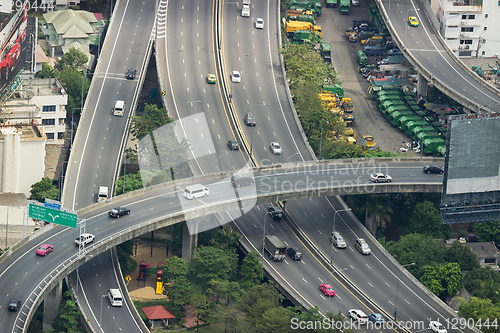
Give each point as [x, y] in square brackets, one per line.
[102, 195]
[115, 297]
[195, 191]
[119, 108]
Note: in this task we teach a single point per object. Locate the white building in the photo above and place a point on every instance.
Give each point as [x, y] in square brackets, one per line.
[14, 219]
[42, 102]
[470, 27]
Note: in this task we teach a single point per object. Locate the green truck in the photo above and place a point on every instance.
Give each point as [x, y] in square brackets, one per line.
[313, 5]
[345, 7]
[362, 58]
[334, 88]
[325, 50]
[305, 36]
[331, 3]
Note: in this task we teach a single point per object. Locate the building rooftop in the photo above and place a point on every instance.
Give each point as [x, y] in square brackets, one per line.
[483, 249]
[28, 132]
[13, 199]
[43, 87]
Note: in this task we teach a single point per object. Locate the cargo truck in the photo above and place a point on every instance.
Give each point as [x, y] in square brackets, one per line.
[291, 26]
[345, 7]
[362, 58]
[325, 50]
[102, 195]
[368, 142]
[296, 12]
[334, 88]
[275, 247]
[313, 5]
[331, 3]
[347, 105]
[305, 36]
[303, 18]
[245, 9]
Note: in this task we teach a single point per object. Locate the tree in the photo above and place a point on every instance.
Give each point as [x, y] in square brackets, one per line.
[425, 219]
[462, 255]
[133, 181]
[225, 239]
[151, 119]
[258, 300]
[73, 81]
[443, 279]
[274, 320]
[377, 210]
[173, 269]
[234, 319]
[198, 303]
[341, 149]
[44, 189]
[483, 310]
[68, 317]
[488, 231]
[73, 59]
[179, 293]
[124, 251]
[46, 72]
[473, 280]
[210, 263]
[230, 292]
[417, 248]
[251, 270]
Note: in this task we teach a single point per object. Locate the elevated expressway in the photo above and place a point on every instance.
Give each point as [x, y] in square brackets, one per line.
[426, 50]
[159, 206]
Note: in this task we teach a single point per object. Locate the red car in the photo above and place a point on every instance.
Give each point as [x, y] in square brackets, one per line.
[44, 249]
[327, 289]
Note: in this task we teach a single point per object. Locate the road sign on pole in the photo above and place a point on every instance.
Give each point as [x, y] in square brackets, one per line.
[65, 217]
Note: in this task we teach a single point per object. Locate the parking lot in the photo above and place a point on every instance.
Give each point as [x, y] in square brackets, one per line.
[369, 120]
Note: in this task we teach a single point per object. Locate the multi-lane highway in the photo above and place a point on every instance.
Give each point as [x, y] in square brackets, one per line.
[423, 45]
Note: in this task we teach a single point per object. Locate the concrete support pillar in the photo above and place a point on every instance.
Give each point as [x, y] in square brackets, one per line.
[11, 160]
[188, 243]
[422, 86]
[51, 305]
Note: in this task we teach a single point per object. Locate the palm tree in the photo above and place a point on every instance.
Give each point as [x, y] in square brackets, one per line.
[378, 212]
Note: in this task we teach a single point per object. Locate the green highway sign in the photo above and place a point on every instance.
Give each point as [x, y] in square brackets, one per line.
[40, 212]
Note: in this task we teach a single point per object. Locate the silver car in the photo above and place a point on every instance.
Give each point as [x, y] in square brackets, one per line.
[276, 148]
[337, 240]
[363, 246]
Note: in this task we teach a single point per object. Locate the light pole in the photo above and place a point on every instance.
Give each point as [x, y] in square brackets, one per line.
[321, 137]
[397, 292]
[422, 139]
[264, 235]
[407, 16]
[100, 316]
[251, 134]
[333, 229]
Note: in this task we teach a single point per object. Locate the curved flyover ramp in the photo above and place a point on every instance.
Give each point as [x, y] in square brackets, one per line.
[426, 50]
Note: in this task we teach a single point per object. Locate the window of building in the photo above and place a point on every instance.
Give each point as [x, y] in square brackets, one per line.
[489, 260]
[49, 108]
[452, 38]
[483, 53]
[50, 136]
[485, 28]
[467, 29]
[465, 53]
[472, 17]
[464, 17]
[61, 121]
[60, 135]
[466, 41]
[48, 122]
[485, 15]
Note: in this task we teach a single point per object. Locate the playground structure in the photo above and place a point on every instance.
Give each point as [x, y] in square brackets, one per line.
[143, 272]
[159, 282]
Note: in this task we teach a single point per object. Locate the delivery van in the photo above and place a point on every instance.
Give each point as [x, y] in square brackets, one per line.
[195, 191]
[119, 108]
[102, 195]
[373, 50]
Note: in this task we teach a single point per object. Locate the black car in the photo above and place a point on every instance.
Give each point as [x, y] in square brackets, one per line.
[432, 168]
[250, 119]
[233, 145]
[242, 180]
[14, 304]
[131, 74]
[294, 253]
[119, 211]
[275, 212]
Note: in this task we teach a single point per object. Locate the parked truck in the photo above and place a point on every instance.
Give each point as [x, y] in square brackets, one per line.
[275, 247]
[334, 88]
[313, 5]
[245, 9]
[345, 7]
[291, 26]
[351, 35]
[305, 36]
[331, 3]
[347, 105]
[325, 50]
[296, 12]
[362, 58]
[368, 142]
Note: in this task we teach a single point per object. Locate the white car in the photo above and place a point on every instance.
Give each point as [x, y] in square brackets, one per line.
[437, 327]
[355, 3]
[380, 178]
[358, 316]
[259, 23]
[276, 148]
[236, 76]
[85, 239]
